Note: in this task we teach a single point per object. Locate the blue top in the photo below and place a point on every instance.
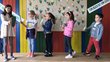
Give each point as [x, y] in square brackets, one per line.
[96, 31]
[47, 26]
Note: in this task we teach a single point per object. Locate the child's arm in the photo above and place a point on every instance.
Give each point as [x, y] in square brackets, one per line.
[89, 27]
[100, 33]
[6, 22]
[23, 24]
[47, 25]
[70, 26]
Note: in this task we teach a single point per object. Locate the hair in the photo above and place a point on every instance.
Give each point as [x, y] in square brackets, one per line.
[52, 17]
[32, 12]
[100, 15]
[70, 13]
[10, 13]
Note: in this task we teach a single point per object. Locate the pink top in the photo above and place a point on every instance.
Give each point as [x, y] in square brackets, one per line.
[68, 29]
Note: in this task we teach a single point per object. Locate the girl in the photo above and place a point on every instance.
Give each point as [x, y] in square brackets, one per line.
[7, 32]
[96, 34]
[50, 20]
[68, 30]
[31, 29]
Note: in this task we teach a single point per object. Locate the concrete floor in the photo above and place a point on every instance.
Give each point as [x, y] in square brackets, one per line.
[58, 57]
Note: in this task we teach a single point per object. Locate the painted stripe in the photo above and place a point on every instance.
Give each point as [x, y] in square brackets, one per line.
[76, 41]
[17, 29]
[0, 13]
[58, 41]
[23, 42]
[106, 34]
[83, 41]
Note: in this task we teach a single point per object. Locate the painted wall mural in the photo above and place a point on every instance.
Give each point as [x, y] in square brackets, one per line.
[58, 8]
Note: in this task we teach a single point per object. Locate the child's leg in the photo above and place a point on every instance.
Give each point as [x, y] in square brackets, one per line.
[11, 45]
[97, 48]
[32, 45]
[49, 43]
[29, 44]
[89, 45]
[5, 43]
[46, 38]
[65, 43]
[69, 45]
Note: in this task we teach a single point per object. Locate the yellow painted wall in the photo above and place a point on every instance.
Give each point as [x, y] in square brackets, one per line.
[23, 42]
[76, 41]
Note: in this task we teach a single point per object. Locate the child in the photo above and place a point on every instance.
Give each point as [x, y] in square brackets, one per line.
[7, 32]
[96, 34]
[68, 30]
[31, 25]
[50, 20]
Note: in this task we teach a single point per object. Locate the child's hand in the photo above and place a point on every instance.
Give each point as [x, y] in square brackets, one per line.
[9, 22]
[65, 24]
[37, 28]
[97, 40]
[62, 26]
[84, 28]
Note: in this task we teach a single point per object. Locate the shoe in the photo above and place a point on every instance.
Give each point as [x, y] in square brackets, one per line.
[13, 58]
[5, 60]
[68, 56]
[45, 52]
[32, 55]
[86, 54]
[48, 55]
[29, 54]
[97, 57]
[74, 53]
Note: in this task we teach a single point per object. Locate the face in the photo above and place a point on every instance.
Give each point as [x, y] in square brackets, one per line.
[97, 18]
[8, 9]
[67, 16]
[47, 16]
[31, 15]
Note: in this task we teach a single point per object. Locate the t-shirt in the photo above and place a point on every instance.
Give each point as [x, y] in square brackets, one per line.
[31, 23]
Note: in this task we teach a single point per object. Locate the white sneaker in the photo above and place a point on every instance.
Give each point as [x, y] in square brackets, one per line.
[68, 56]
[5, 60]
[13, 58]
[74, 53]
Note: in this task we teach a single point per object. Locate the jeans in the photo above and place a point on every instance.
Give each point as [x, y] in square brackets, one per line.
[49, 45]
[5, 43]
[31, 44]
[67, 41]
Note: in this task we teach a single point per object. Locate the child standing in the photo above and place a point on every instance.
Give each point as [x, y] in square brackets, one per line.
[31, 29]
[7, 32]
[96, 34]
[50, 20]
[68, 30]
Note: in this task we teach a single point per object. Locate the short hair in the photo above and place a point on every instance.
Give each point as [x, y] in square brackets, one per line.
[100, 15]
[32, 12]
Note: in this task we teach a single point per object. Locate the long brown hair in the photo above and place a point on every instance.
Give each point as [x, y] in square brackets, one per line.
[70, 13]
[10, 13]
[52, 17]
